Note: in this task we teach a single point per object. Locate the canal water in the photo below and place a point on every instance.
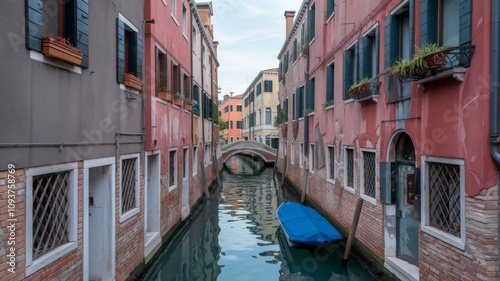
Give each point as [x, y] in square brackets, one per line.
[236, 236]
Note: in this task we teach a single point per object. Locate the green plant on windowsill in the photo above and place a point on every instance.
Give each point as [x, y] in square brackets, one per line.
[308, 111]
[427, 56]
[328, 103]
[304, 49]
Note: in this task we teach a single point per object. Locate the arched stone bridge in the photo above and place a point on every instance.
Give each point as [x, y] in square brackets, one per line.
[267, 153]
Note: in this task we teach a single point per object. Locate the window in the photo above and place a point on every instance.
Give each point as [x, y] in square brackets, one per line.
[302, 35]
[161, 71]
[51, 214]
[268, 116]
[58, 18]
[172, 169]
[330, 81]
[330, 168]
[187, 86]
[295, 51]
[173, 7]
[446, 22]
[285, 63]
[351, 70]
[258, 89]
[208, 150]
[129, 187]
[176, 78]
[227, 124]
[444, 200]
[310, 93]
[330, 8]
[129, 50]
[368, 173]
[312, 22]
[349, 169]
[231, 108]
[369, 49]
[184, 20]
[185, 161]
[292, 153]
[231, 124]
[239, 125]
[260, 116]
[268, 86]
[226, 109]
[280, 71]
[239, 108]
[299, 102]
[301, 155]
[193, 39]
[195, 160]
[285, 110]
[311, 158]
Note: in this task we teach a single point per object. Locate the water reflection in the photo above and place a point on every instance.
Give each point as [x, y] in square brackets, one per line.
[244, 164]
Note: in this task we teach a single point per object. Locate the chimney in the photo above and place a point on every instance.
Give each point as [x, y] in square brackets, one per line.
[289, 15]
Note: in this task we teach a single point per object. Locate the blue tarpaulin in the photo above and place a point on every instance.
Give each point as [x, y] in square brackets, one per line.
[304, 225]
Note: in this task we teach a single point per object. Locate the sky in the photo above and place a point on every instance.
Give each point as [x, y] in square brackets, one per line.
[250, 34]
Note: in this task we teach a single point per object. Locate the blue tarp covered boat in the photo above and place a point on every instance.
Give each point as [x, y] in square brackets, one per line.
[304, 225]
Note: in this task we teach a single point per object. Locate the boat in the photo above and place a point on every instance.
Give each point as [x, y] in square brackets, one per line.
[305, 226]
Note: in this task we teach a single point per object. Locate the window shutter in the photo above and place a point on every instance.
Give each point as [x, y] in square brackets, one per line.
[365, 56]
[139, 54]
[411, 16]
[465, 17]
[347, 75]
[120, 51]
[280, 71]
[300, 103]
[329, 83]
[158, 71]
[76, 26]
[377, 48]
[34, 24]
[294, 101]
[391, 48]
[428, 22]
[310, 94]
[278, 109]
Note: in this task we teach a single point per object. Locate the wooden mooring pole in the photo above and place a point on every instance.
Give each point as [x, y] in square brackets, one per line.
[305, 179]
[352, 233]
[284, 171]
[204, 180]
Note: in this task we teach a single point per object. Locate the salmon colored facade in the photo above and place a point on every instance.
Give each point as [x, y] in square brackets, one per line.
[414, 147]
[230, 112]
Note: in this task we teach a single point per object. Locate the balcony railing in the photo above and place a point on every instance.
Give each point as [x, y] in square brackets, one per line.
[453, 58]
[365, 91]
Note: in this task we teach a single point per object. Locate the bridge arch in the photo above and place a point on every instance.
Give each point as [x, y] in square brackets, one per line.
[267, 153]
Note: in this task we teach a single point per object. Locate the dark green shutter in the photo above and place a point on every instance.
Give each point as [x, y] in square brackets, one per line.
[34, 24]
[465, 17]
[391, 48]
[310, 94]
[120, 51]
[329, 83]
[139, 54]
[300, 103]
[280, 71]
[278, 109]
[347, 75]
[411, 18]
[132, 52]
[76, 26]
[428, 22]
[365, 57]
[377, 47]
[294, 101]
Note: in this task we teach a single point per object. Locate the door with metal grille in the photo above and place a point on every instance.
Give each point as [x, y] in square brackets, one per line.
[406, 201]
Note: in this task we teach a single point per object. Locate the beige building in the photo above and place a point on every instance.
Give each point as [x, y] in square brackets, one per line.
[260, 102]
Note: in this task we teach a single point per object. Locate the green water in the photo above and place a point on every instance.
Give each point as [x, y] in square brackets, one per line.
[236, 236]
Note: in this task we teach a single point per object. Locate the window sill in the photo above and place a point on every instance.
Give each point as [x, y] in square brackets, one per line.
[172, 188]
[36, 56]
[369, 199]
[349, 101]
[330, 107]
[185, 37]
[330, 17]
[129, 214]
[350, 189]
[312, 41]
[441, 235]
[456, 73]
[330, 181]
[50, 257]
[174, 19]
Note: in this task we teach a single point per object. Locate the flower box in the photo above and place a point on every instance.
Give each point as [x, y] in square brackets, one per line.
[188, 106]
[61, 49]
[177, 101]
[164, 95]
[133, 82]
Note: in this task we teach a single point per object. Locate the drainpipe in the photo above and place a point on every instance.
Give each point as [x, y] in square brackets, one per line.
[495, 80]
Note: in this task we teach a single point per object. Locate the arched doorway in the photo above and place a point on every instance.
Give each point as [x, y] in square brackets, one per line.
[407, 200]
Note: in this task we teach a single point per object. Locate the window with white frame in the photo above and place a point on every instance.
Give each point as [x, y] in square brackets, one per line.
[184, 20]
[368, 173]
[349, 168]
[292, 153]
[193, 39]
[185, 162]
[129, 189]
[51, 214]
[301, 155]
[208, 148]
[330, 168]
[444, 200]
[195, 160]
[173, 7]
[172, 168]
[311, 158]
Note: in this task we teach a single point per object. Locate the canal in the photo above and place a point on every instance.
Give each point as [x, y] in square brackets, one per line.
[235, 236]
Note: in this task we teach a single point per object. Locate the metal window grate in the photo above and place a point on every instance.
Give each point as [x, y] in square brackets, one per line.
[50, 212]
[350, 167]
[444, 197]
[331, 155]
[128, 184]
[369, 173]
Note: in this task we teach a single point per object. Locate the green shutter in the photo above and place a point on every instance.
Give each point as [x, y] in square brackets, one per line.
[411, 17]
[365, 57]
[428, 22]
[329, 83]
[465, 17]
[310, 94]
[76, 26]
[139, 55]
[391, 47]
[280, 71]
[377, 47]
[347, 75]
[120, 51]
[294, 101]
[34, 24]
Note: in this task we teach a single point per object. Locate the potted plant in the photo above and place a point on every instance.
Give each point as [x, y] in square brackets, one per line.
[328, 103]
[177, 99]
[303, 49]
[308, 111]
[188, 104]
[164, 94]
[432, 55]
[133, 81]
[359, 88]
[61, 49]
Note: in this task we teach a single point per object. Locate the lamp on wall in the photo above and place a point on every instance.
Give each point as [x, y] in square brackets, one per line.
[152, 21]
